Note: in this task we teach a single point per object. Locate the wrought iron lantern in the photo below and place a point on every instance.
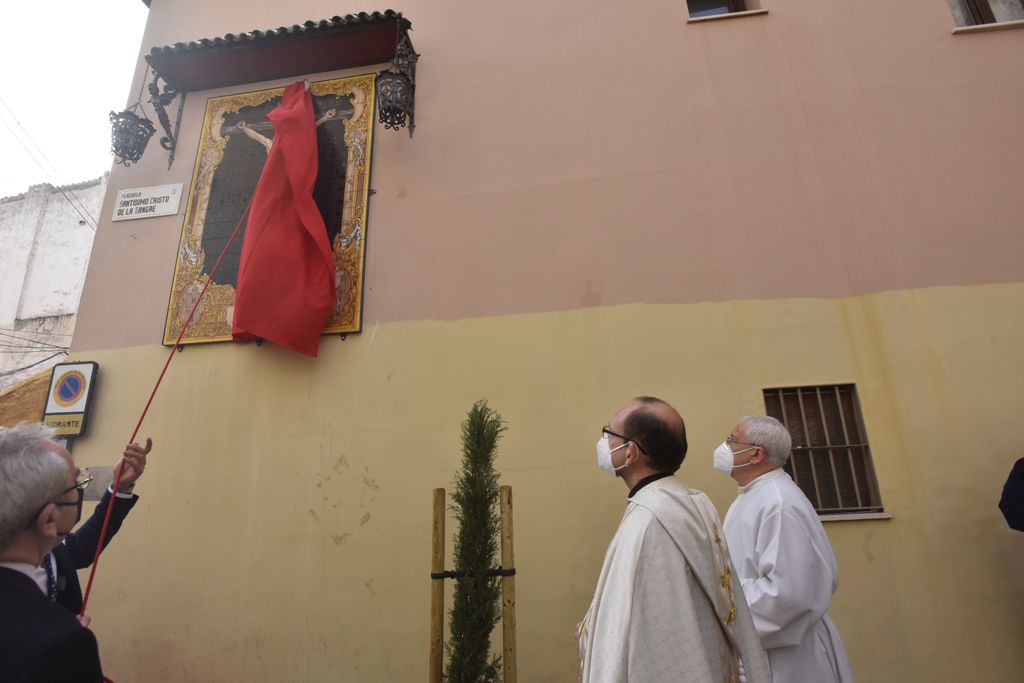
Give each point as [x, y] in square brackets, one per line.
[396, 87]
[130, 133]
[394, 97]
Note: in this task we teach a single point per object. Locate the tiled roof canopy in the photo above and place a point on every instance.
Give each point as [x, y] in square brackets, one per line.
[312, 47]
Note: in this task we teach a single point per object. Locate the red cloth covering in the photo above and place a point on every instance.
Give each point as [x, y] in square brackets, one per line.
[285, 288]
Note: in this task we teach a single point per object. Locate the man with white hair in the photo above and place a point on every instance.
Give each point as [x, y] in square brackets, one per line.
[782, 556]
[40, 502]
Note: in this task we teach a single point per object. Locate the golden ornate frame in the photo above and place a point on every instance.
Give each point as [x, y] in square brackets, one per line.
[212, 321]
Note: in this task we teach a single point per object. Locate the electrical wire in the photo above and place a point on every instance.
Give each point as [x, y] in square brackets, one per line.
[31, 349]
[47, 160]
[8, 343]
[31, 365]
[80, 208]
[25, 353]
[24, 339]
[5, 337]
[46, 334]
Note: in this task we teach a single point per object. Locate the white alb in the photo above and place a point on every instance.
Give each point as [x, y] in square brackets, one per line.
[788, 573]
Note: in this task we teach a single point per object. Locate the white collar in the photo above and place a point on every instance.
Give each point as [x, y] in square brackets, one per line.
[23, 567]
[764, 479]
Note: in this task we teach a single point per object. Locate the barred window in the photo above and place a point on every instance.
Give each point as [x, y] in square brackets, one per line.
[707, 8]
[977, 12]
[831, 458]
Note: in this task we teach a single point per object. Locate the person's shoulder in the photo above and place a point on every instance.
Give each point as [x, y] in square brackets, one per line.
[678, 507]
[782, 491]
[671, 487]
[778, 496]
[697, 495]
[72, 635]
[70, 651]
[29, 623]
[698, 499]
[18, 591]
[637, 515]
[633, 531]
[30, 614]
[792, 508]
[794, 494]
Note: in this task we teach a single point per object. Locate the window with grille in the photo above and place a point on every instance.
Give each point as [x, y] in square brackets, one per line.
[831, 458]
[977, 12]
[707, 8]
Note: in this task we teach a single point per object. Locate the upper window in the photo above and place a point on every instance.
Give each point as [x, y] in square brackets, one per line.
[976, 12]
[707, 8]
[831, 459]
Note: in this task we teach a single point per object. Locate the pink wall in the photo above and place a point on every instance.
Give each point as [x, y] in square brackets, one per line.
[572, 155]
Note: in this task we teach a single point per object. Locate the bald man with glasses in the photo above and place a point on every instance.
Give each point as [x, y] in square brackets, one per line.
[665, 609]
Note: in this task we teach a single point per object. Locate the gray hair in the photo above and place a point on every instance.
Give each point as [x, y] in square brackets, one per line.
[769, 434]
[30, 477]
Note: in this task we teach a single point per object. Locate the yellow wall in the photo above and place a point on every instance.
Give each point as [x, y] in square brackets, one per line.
[24, 401]
[284, 526]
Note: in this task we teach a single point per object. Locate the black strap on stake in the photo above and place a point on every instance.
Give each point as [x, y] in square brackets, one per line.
[462, 575]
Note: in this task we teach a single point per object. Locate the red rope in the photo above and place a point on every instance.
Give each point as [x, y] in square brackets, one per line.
[138, 425]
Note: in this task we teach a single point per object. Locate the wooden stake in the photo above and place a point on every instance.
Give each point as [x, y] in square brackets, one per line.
[437, 592]
[508, 589]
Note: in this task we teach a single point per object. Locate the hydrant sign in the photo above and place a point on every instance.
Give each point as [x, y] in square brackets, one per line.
[146, 202]
[70, 397]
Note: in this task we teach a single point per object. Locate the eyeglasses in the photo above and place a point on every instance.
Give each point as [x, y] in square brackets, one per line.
[606, 432]
[82, 479]
[730, 440]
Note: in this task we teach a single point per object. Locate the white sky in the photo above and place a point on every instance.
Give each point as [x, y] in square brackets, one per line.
[64, 65]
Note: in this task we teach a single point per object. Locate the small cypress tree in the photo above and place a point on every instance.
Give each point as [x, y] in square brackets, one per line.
[475, 606]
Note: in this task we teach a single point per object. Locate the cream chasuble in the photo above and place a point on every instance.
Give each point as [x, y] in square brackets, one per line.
[788, 573]
[666, 608]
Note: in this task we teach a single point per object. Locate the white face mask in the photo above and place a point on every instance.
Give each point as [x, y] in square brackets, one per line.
[724, 458]
[604, 456]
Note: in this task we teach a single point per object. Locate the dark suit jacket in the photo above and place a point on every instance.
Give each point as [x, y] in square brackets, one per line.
[41, 642]
[1012, 502]
[79, 548]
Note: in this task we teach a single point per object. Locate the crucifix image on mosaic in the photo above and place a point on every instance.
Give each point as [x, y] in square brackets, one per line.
[236, 140]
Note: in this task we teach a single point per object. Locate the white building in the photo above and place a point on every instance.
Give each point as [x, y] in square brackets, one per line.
[47, 235]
